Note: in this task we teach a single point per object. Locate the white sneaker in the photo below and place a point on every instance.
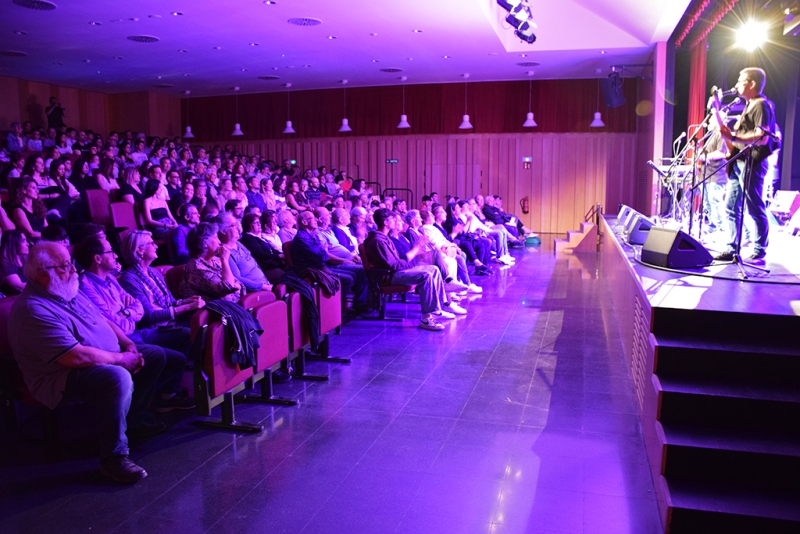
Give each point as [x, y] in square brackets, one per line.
[452, 307]
[509, 258]
[472, 288]
[502, 261]
[454, 297]
[442, 314]
[455, 287]
[427, 322]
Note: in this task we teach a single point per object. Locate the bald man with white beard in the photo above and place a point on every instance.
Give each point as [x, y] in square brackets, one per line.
[67, 351]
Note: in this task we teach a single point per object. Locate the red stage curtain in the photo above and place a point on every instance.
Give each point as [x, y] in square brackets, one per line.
[560, 106]
[697, 84]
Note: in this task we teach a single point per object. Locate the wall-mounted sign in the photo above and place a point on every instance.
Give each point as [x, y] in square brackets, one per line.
[526, 162]
[392, 161]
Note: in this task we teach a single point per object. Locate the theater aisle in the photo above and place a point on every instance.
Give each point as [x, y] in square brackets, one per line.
[518, 418]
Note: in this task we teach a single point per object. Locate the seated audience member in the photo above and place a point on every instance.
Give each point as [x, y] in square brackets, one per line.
[340, 259]
[296, 197]
[209, 212]
[512, 220]
[208, 272]
[107, 174]
[62, 192]
[174, 185]
[268, 195]
[266, 255]
[430, 287]
[287, 225]
[328, 185]
[234, 207]
[129, 189]
[340, 221]
[449, 222]
[475, 206]
[13, 253]
[155, 209]
[16, 165]
[473, 225]
[200, 190]
[56, 234]
[15, 142]
[99, 283]
[313, 192]
[431, 254]
[67, 351]
[358, 224]
[245, 269]
[439, 239]
[270, 229]
[254, 196]
[186, 196]
[166, 319]
[35, 142]
[189, 217]
[29, 212]
[308, 252]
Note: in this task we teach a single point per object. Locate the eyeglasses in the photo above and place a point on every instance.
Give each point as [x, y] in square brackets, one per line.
[107, 252]
[64, 267]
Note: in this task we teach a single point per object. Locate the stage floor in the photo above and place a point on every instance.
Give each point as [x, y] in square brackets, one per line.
[719, 287]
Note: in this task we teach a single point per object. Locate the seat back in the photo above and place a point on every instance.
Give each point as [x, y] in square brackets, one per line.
[174, 277]
[256, 299]
[222, 375]
[299, 333]
[163, 269]
[287, 254]
[122, 216]
[330, 310]
[273, 317]
[98, 201]
[5, 312]
[362, 252]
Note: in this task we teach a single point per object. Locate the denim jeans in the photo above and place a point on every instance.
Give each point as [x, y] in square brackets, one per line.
[753, 202]
[430, 286]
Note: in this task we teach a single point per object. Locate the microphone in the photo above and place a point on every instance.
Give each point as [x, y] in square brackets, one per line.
[729, 92]
[681, 136]
[771, 135]
[655, 168]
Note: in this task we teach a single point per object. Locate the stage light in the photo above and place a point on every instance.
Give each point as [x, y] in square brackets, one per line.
[509, 5]
[525, 32]
[752, 35]
[517, 15]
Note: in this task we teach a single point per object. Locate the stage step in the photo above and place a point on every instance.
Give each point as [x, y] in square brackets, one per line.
[725, 328]
[697, 507]
[583, 240]
[735, 456]
[747, 364]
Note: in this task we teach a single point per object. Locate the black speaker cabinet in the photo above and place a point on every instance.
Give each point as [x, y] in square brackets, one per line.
[639, 230]
[674, 249]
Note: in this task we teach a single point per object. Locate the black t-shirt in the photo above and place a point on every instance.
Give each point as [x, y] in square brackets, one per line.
[127, 189]
[759, 113]
[55, 119]
[7, 269]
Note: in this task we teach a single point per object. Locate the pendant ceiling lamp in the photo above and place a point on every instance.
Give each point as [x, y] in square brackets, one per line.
[529, 122]
[465, 124]
[188, 133]
[598, 121]
[404, 118]
[237, 128]
[288, 129]
[345, 127]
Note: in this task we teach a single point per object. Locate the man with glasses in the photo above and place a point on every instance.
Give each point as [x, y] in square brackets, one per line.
[99, 283]
[245, 269]
[67, 351]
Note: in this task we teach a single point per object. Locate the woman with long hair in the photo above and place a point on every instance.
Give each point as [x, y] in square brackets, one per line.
[13, 253]
[268, 194]
[81, 177]
[155, 209]
[29, 211]
[107, 174]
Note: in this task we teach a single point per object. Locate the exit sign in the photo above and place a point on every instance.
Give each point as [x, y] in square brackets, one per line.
[392, 161]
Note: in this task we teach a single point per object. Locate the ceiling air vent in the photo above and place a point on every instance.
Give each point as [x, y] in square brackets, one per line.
[38, 5]
[143, 38]
[391, 69]
[12, 53]
[164, 85]
[304, 21]
[269, 78]
[528, 64]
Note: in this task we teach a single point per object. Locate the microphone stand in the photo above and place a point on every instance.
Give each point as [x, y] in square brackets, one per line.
[745, 184]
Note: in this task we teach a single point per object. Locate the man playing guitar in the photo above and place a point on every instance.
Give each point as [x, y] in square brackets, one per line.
[756, 125]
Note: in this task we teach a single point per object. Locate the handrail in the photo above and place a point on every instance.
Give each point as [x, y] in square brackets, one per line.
[410, 192]
[595, 212]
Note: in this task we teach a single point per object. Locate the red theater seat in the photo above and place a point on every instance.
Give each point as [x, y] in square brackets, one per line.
[380, 287]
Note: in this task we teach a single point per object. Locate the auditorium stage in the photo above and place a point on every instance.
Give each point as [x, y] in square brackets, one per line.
[715, 365]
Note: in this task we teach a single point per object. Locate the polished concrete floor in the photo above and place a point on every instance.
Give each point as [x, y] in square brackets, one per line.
[518, 418]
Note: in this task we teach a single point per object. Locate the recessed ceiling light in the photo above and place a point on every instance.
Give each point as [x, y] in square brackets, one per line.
[411, 59]
[374, 34]
[492, 53]
[95, 23]
[176, 13]
[446, 57]
[154, 16]
[274, 68]
[306, 66]
[331, 37]
[20, 32]
[375, 61]
[244, 70]
[417, 31]
[602, 51]
[289, 66]
[523, 55]
[270, 2]
[134, 19]
[253, 44]
[182, 51]
[217, 48]
[186, 75]
[87, 60]
[117, 57]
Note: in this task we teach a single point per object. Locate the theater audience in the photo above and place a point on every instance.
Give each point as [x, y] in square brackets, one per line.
[439, 239]
[13, 253]
[208, 272]
[358, 224]
[129, 190]
[254, 196]
[430, 287]
[185, 197]
[155, 210]
[67, 351]
[56, 234]
[287, 225]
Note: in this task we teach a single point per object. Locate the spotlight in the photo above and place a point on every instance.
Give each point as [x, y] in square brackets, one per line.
[752, 35]
[508, 5]
[517, 16]
[525, 32]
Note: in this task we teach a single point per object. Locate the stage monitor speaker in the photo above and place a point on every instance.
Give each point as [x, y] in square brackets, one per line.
[624, 209]
[612, 91]
[632, 216]
[674, 249]
[640, 229]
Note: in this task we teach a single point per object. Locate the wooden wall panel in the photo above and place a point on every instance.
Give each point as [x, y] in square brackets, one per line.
[568, 175]
[165, 115]
[10, 108]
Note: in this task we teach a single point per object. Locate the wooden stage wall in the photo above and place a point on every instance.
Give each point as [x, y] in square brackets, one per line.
[569, 173]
